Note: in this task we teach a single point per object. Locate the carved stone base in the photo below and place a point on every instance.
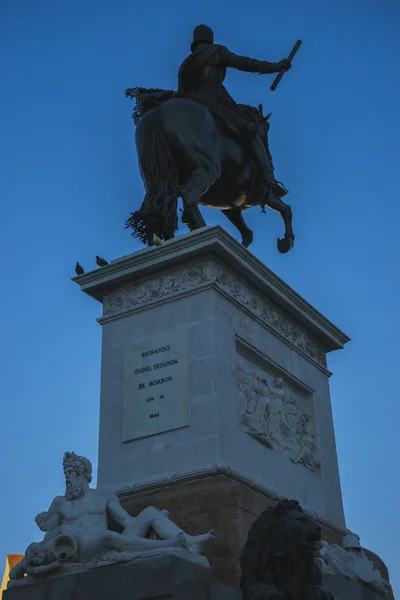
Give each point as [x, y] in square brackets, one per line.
[112, 558]
[209, 358]
[163, 577]
[349, 589]
[225, 505]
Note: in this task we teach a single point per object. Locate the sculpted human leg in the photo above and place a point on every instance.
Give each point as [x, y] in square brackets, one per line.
[113, 541]
[119, 542]
[165, 528]
[140, 524]
[168, 530]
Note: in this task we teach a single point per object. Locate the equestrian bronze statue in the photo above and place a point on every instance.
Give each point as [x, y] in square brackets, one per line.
[198, 144]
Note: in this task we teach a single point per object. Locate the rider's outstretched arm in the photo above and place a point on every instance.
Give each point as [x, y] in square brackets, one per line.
[251, 65]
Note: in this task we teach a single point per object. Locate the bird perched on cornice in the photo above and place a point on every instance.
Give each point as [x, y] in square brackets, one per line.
[79, 269]
[101, 262]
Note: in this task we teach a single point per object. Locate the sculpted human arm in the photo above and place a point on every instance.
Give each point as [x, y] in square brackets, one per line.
[46, 521]
[251, 65]
[116, 511]
[39, 570]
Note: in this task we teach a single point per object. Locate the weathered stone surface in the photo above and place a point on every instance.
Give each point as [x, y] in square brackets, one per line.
[77, 537]
[213, 474]
[349, 589]
[160, 577]
[350, 560]
[155, 385]
[228, 507]
[234, 310]
[278, 416]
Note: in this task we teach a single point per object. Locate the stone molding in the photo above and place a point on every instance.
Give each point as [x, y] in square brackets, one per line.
[216, 469]
[269, 316]
[212, 242]
[161, 287]
[197, 276]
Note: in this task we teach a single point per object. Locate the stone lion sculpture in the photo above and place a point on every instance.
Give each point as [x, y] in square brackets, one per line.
[278, 558]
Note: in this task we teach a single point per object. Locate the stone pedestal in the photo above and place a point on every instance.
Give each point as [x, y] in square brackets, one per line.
[350, 589]
[200, 342]
[162, 577]
[214, 391]
[215, 395]
[222, 500]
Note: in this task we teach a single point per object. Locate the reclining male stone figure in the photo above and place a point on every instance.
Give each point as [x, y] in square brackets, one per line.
[77, 530]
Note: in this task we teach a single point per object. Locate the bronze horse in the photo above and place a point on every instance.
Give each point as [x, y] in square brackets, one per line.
[185, 152]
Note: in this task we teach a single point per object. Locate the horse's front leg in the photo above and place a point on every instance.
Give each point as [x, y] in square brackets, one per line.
[285, 244]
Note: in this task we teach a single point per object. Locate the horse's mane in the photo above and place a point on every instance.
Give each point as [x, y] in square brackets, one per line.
[146, 99]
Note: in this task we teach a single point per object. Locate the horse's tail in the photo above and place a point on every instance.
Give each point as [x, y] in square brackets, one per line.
[158, 212]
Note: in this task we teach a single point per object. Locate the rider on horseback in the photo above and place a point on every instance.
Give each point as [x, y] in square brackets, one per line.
[201, 77]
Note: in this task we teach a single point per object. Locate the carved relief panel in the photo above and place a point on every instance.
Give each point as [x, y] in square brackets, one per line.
[276, 415]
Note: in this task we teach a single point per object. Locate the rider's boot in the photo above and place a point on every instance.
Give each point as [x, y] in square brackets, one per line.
[261, 159]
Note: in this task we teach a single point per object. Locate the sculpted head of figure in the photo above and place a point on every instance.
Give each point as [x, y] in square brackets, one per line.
[202, 34]
[278, 382]
[35, 554]
[78, 474]
[263, 388]
[41, 521]
[306, 423]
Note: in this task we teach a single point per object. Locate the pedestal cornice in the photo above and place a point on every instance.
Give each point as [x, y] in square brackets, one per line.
[212, 243]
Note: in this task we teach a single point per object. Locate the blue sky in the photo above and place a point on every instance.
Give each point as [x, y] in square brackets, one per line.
[70, 179]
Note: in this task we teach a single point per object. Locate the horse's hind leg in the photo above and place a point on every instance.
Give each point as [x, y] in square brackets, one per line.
[236, 218]
[186, 218]
[194, 216]
[198, 183]
[190, 130]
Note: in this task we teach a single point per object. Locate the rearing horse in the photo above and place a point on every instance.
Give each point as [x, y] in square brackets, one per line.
[185, 152]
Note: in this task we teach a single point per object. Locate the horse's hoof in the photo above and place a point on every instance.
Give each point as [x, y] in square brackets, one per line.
[247, 240]
[285, 245]
[156, 241]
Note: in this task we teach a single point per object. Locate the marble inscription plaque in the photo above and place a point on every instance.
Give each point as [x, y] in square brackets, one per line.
[155, 385]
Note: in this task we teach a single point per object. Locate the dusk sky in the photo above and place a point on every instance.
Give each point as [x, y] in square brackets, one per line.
[69, 179]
